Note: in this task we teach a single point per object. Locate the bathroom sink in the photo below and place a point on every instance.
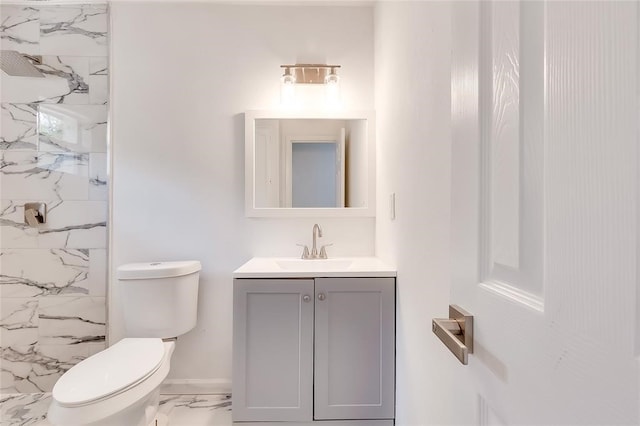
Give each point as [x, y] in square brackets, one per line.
[294, 267]
[314, 264]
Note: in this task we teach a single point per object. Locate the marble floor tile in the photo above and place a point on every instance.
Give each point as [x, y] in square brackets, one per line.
[174, 410]
[24, 409]
[193, 410]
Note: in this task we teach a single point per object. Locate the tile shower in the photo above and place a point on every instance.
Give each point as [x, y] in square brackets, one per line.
[53, 148]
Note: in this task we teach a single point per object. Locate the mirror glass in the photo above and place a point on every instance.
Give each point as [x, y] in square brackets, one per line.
[299, 166]
[317, 178]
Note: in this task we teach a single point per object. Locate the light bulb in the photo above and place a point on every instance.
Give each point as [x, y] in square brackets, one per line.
[332, 88]
[287, 88]
[332, 77]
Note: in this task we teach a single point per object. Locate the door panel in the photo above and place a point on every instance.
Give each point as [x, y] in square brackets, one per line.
[354, 344]
[273, 334]
[544, 209]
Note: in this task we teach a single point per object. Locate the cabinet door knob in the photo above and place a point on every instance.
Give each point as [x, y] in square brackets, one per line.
[306, 298]
[321, 296]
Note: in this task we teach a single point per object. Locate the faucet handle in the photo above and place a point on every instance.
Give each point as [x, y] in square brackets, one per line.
[305, 251]
[323, 251]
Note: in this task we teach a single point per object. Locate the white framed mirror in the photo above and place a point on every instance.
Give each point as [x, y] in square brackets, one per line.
[308, 164]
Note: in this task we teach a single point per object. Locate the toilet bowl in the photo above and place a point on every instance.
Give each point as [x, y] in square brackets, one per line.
[120, 386]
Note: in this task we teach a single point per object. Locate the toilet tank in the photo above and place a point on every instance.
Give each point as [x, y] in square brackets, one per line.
[159, 299]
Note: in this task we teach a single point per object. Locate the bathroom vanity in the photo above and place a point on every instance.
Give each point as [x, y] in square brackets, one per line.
[314, 340]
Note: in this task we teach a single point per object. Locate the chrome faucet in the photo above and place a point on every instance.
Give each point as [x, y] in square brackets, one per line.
[317, 232]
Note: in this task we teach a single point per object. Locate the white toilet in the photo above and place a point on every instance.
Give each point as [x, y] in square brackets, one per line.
[120, 386]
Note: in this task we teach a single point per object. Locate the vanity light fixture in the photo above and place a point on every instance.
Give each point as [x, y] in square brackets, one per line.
[310, 74]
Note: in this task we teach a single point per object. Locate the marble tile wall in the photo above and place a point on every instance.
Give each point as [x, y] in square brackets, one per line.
[53, 148]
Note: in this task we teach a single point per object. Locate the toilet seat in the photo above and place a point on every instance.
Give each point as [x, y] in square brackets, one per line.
[110, 372]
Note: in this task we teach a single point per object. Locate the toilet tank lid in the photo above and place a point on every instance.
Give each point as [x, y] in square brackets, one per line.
[151, 270]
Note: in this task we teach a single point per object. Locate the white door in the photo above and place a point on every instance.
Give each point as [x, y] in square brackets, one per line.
[545, 210]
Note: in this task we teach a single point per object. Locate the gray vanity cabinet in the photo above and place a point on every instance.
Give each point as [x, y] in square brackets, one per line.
[314, 349]
[354, 348]
[272, 350]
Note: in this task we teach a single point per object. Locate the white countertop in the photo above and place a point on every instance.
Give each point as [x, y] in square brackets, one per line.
[289, 267]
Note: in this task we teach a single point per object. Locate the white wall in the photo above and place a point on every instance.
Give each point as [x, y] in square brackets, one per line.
[183, 74]
[412, 56]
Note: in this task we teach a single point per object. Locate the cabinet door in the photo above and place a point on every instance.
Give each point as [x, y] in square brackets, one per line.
[272, 350]
[354, 348]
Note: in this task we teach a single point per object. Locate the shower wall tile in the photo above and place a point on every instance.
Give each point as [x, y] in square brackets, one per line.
[70, 224]
[18, 126]
[20, 29]
[98, 80]
[18, 321]
[59, 272]
[21, 368]
[74, 70]
[66, 80]
[14, 233]
[74, 30]
[53, 144]
[36, 368]
[98, 177]
[71, 320]
[76, 224]
[98, 272]
[94, 348]
[30, 90]
[72, 128]
[63, 176]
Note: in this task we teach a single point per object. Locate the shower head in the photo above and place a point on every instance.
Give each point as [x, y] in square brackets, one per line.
[18, 64]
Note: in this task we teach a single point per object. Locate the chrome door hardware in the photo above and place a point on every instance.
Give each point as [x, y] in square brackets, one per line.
[35, 214]
[321, 296]
[456, 332]
[306, 298]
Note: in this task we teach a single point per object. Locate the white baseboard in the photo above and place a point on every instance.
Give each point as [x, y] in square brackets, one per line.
[196, 386]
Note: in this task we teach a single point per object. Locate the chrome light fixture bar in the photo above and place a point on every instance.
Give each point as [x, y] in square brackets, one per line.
[309, 74]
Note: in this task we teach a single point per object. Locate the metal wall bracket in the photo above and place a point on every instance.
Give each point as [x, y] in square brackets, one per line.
[456, 332]
[35, 214]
